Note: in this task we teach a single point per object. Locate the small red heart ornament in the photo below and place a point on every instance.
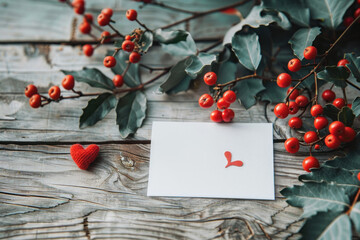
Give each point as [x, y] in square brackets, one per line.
[84, 157]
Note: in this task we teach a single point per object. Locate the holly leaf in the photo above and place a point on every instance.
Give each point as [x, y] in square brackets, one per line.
[335, 75]
[303, 38]
[246, 90]
[132, 76]
[181, 48]
[170, 37]
[346, 116]
[353, 65]
[146, 41]
[130, 112]
[331, 111]
[329, 12]
[93, 77]
[356, 106]
[118, 43]
[272, 93]
[247, 49]
[97, 109]
[198, 63]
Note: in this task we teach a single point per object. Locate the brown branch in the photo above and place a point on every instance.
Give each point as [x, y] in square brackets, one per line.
[219, 86]
[354, 202]
[115, 30]
[143, 25]
[160, 4]
[126, 69]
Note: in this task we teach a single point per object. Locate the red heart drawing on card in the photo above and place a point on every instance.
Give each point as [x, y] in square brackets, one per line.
[236, 163]
[84, 157]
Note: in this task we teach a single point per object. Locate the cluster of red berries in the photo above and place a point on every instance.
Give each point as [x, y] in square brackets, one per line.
[338, 132]
[348, 20]
[223, 103]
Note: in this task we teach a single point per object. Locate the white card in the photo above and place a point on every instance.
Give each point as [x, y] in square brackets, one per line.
[188, 160]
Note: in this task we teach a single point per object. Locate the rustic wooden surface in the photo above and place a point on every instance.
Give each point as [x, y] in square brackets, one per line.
[44, 195]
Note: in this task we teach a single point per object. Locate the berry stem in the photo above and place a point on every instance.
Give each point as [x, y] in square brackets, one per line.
[151, 69]
[344, 94]
[316, 88]
[354, 202]
[143, 25]
[126, 69]
[115, 30]
[220, 86]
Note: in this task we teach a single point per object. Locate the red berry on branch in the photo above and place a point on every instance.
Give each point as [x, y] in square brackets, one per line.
[88, 18]
[293, 108]
[109, 61]
[358, 175]
[302, 101]
[337, 128]
[131, 14]
[118, 80]
[222, 103]
[281, 110]
[310, 137]
[206, 101]
[229, 96]
[316, 110]
[320, 122]
[107, 11]
[210, 78]
[54, 92]
[134, 57]
[357, 13]
[348, 21]
[348, 136]
[216, 116]
[349, 105]
[35, 101]
[88, 50]
[342, 63]
[283, 80]
[309, 163]
[128, 46]
[85, 27]
[30, 90]
[294, 65]
[328, 95]
[79, 6]
[332, 141]
[294, 94]
[310, 53]
[228, 115]
[68, 82]
[339, 103]
[106, 36]
[295, 122]
[128, 37]
[103, 19]
[292, 145]
[317, 147]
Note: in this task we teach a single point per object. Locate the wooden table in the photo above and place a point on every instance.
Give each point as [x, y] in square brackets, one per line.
[42, 192]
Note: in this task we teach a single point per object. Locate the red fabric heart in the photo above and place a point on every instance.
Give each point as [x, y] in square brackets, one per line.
[84, 157]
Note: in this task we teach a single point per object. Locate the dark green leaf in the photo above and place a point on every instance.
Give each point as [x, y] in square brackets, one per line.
[247, 48]
[331, 111]
[350, 161]
[273, 93]
[346, 116]
[353, 65]
[329, 225]
[97, 109]
[130, 112]
[336, 75]
[146, 41]
[182, 48]
[132, 76]
[355, 216]
[329, 12]
[356, 106]
[246, 90]
[198, 63]
[303, 38]
[170, 37]
[118, 43]
[93, 77]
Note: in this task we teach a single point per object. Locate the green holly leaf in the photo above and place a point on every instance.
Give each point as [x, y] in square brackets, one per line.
[181, 48]
[329, 12]
[93, 77]
[356, 106]
[198, 63]
[132, 76]
[130, 112]
[353, 65]
[303, 38]
[273, 93]
[170, 37]
[336, 75]
[355, 216]
[346, 116]
[97, 109]
[331, 111]
[146, 41]
[246, 90]
[118, 43]
[247, 49]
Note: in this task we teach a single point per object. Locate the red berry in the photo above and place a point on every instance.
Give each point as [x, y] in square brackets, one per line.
[310, 137]
[342, 62]
[106, 36]
[339, 103]
[310, 53]
[295, 122]
[88, 50]
[283, 80]
[134, 57]
[216, 116]
[294, 65]
[332, 141]
[107, 11]
[128, 46]
[309, 163]
[79, 10]
[358, 175]
[79, 6]
[320, 123]
[35, 101]
[103, 19]
[210, 78]
[128, 37]
[281, 110]
[294, 94]
[337, 128]
[328, 95]
[348, 21]
[68, 82]
[349, 105]
[316, 110]
[88, 18]
[118, 80]
[228, 115]
[293, 108]
[30, 90]
[109, 61]
[348, 135]
[229, 96]
[206, 101]
[131, 14]
[292, 145]
[85, 27]
[302, 101]
[357, 13]
[54, 92]
[317, 147]
[222, 103]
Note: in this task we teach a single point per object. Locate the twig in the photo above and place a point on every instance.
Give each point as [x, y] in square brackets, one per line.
[143, 25]
[353, 85]
[353, 203]
[211, 46]
[153, 68]
[126, 69]
[344, 94]
[160, 4]
[316, 88]
[117, 32]
[219, 86]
